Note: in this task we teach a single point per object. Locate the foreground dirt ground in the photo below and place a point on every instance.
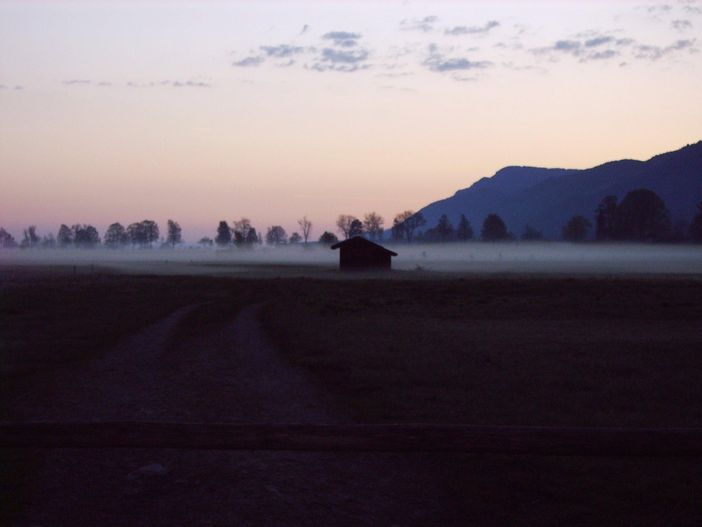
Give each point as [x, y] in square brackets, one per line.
[480, 350]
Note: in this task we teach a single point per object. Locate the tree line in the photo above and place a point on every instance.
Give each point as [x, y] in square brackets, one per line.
[142, 234]
[641, 216]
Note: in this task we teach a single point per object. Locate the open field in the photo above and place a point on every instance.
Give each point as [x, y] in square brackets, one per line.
[415, 346]
[319, 261]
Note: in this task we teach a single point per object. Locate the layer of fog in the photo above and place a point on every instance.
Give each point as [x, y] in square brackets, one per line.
[515, 257]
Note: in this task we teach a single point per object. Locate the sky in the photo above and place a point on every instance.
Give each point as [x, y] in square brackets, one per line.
[214, 110]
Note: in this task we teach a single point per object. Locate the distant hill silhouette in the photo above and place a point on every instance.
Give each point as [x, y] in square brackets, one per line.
[546, 198]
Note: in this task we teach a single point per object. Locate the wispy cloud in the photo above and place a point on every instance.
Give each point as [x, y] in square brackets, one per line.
[342, 39]
[472, 30]
[598, 41]
[339, 51]
[681, 25]
[249, 62]
[169, 84]
[425, 24]
[604, 47]
[658, 52]
[441, 63]
[657, 9]
[346, 61]
[282, 50]
[189, 84]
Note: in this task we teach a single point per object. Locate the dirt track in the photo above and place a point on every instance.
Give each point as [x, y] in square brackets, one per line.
[227, 373]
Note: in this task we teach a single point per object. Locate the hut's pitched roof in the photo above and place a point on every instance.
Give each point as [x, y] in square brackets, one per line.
[360, 240]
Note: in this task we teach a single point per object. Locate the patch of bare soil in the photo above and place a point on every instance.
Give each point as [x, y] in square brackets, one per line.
[226, 372]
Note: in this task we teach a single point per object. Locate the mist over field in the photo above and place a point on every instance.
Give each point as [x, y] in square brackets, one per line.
[426, 259]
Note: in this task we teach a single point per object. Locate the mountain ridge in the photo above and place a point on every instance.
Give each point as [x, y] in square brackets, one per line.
[545, 198]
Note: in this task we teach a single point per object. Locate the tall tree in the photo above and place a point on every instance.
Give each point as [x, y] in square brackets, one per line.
[64, 238]
[115, 236]
[305, 227]
[276, 235]
[143, 233]
[356, 228]
[328, 238]
[696, 225]
[494, 229]
[240, 230]
[407, 223]
[30, 238]
[224, 234]
[175, 234]
[397, 231]
[642, 216]
[444, 229]
[135, 234]
[85, 236]
[373, 225]
[464, 232]
[252, 237]
[151, 231]
[605, 217]
[7, 241]
[343, 223]
[576, 229]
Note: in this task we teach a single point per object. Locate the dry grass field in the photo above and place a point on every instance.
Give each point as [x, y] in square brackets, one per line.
[587, 351]
[474, 349]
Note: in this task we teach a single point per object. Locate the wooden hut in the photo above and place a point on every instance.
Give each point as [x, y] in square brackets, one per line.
[359, 254]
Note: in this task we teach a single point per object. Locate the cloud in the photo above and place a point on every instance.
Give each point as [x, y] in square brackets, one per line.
[342, 39]
[568, 46]
[665, 8]
[529, 67]
[281, 51]
[601, 55]
[472, 30]
[594, 47]
[425, 24]
[190, 84]
[249, 62]
[85, 82]
[657, 52]
[598, 41]
[438, 62]
[341, 60]
[169, 83]
[395, 74]
[16, 87]
[681, 25]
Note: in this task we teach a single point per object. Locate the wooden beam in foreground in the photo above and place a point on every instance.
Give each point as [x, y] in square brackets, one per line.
[609, 442]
